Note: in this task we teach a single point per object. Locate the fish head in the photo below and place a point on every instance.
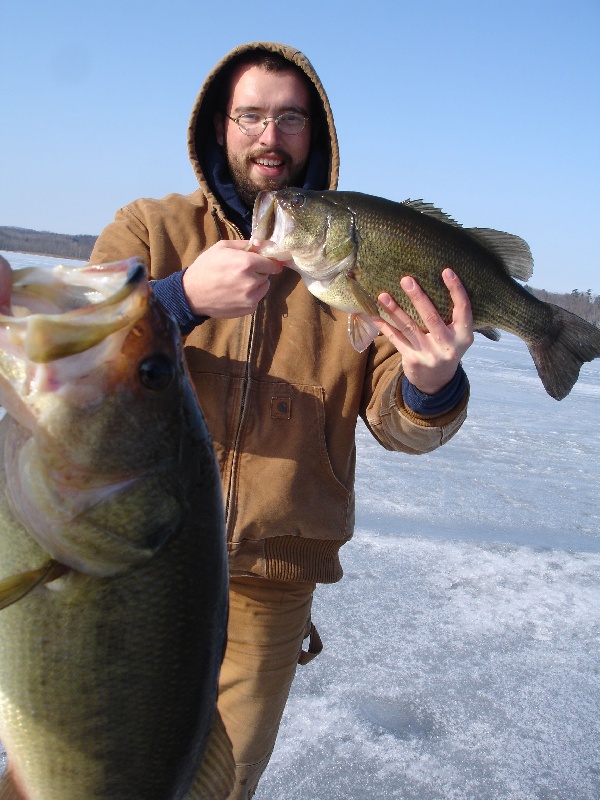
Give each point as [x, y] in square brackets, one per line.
[92, 373]
[72, 338]
[306, 230]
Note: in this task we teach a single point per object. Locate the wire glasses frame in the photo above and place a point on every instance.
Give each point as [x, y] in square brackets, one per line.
[253, 124]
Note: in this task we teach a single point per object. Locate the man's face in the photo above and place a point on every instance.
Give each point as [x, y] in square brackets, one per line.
[271, 160]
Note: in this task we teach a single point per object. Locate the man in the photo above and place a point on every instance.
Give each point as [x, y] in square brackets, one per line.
[277, 379]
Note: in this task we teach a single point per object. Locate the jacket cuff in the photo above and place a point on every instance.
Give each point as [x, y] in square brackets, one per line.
[432, 405]
[170, 294]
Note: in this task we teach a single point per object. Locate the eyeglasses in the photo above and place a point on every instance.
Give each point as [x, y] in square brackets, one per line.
[254, 124]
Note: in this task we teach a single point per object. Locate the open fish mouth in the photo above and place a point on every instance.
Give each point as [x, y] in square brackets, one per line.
[55, 313]
[272, 227]
[263, 218]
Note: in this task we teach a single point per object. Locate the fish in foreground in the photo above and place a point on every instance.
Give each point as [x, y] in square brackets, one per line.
[350, 247]
[113, 573]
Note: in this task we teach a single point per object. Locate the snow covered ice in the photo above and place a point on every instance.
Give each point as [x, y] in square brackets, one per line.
[462, 657]
[462, 650]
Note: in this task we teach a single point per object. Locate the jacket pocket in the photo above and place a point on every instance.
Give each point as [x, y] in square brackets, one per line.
[282, 480]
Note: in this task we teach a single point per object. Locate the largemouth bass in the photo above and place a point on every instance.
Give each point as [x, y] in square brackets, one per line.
[113, 573]
[350, 247]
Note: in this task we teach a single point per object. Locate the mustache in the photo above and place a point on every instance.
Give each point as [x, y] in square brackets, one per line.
[270, 152]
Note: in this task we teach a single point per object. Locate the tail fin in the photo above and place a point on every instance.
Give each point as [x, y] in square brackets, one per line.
[559, 356]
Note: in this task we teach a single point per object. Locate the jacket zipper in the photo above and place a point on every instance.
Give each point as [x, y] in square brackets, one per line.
[245, 387]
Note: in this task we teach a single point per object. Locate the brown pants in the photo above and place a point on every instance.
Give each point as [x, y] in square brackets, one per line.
[267, 622]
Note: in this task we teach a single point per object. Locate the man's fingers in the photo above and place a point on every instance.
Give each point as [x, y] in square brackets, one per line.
[403, 324]
[461, 312]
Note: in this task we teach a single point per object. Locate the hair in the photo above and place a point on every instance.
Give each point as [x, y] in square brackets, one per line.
[265, 59]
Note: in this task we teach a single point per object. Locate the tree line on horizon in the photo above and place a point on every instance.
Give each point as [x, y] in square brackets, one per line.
[44, 243]
[62, 245]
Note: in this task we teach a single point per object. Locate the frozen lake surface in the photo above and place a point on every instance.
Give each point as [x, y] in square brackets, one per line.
[462, 646]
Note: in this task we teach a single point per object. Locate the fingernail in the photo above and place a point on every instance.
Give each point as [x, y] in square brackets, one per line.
[407, 284]
[451, 274]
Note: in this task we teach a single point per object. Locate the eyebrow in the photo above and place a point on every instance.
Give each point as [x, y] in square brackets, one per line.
[258, 110]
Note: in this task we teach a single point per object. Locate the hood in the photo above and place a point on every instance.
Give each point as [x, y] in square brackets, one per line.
[204, 152]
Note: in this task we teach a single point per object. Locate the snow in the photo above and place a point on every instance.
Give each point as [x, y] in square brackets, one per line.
[462, 649]
[462, 657]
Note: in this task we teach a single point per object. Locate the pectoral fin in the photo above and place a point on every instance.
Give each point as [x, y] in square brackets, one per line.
[17, 587]
[360, 328]
[361, 331]
[362, 297]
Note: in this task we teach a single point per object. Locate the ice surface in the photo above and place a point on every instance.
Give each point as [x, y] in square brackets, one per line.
[462, 649]
[462, 646]
[19, 260]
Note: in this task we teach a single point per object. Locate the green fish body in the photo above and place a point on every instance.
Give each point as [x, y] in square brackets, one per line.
[351, 247]
[113, 573]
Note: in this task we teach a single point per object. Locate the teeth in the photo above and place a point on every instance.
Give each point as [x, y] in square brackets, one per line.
[267, 162]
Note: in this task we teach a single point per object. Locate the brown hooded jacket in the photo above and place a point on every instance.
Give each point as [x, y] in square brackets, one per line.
[281, 389]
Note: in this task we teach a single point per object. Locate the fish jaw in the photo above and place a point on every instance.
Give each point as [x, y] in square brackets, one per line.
[65, 393]
[44, 337]
[285, 235]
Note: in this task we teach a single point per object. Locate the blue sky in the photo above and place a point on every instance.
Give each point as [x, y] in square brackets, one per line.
[490, 110]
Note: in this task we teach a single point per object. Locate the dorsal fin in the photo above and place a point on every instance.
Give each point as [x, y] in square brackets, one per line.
[513, 252]
[431, 211]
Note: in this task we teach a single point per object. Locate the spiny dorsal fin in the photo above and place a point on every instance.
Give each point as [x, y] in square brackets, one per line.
[431, 211]
[513, 252]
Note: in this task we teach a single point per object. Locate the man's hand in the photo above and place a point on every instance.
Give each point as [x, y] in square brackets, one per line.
[431, 359]
[227, 280]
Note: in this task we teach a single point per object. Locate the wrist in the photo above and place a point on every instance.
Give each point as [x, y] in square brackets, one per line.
[429, 404]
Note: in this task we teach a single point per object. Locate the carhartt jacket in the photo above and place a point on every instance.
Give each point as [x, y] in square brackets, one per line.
[281, 389]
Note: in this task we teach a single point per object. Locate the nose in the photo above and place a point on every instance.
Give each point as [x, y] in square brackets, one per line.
[271, 133]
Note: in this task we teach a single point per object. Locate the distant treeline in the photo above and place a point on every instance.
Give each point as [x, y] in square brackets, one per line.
[63, 245]
[21, 240]
[584, 304]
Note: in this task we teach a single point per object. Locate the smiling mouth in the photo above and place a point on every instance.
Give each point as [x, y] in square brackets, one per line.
[270, 163]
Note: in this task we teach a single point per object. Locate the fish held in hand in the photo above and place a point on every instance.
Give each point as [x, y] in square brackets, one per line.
[349, 248]
[113, 572]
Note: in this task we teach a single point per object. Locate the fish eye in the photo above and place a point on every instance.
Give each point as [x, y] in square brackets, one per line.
[297, 200]
[157, 372]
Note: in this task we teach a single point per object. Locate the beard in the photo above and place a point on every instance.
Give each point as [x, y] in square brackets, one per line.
[248, 189]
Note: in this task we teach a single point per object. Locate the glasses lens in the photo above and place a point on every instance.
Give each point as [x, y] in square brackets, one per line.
[290, 123]
[251, 124]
